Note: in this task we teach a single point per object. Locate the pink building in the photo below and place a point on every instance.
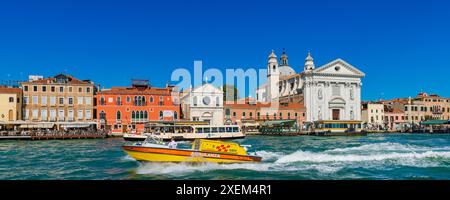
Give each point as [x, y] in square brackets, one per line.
[394, 119]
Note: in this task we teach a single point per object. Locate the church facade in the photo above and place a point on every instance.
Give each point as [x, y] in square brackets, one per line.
[329, 92]
[204, 103]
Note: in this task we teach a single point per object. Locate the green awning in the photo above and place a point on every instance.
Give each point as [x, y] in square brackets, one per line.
[434, 122]
[279, 123]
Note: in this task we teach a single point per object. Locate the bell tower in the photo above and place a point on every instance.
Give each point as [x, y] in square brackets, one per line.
[273, 76]
[309, 62]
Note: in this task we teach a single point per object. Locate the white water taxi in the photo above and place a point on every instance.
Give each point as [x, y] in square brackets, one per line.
[188, 132]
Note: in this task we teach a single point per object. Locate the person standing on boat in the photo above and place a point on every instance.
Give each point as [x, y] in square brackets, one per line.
[172, 144]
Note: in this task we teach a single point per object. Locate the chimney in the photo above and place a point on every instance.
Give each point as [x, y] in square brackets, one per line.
[99, 87]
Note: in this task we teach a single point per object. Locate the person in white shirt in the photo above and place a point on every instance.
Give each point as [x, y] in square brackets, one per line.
[172, 144]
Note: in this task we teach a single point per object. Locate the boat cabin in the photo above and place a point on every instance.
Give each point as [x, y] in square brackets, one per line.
[337, 126]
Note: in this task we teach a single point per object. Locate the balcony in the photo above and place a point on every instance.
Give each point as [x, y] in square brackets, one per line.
[139, 103]
[139, 120]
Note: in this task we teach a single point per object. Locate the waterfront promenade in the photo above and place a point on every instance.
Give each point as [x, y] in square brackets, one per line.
[53, 135]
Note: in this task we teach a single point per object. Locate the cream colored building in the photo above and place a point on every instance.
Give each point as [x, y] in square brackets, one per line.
[10, 104]
[204, 103]
[62, 98]
[373, 115]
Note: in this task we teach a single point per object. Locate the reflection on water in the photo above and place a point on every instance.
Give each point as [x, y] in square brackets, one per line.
[377, 156]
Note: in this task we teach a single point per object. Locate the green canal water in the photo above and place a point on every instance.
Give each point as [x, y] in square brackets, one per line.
[378, 156]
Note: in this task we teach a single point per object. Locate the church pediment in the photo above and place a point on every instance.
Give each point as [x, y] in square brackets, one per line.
[339, 67]
[207, 88]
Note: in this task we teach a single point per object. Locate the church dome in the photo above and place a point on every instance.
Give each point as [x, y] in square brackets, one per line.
[286, 71]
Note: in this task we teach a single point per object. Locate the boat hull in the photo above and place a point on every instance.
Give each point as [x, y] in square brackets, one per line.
[151, 154]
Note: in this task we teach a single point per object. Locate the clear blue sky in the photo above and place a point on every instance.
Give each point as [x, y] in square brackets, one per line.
[402, 46]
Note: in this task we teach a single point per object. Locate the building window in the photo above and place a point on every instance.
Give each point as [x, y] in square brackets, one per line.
[52, 88]
[128, 99]
[133, 115]
[258, 115]
[218, 102]
[161, 116]
[234, 114]
[194, 101]
[151, 99]
[243, 114]
[250, 115]
[44, 88]
[44, 100]
[61, 89]
[70, 100]
[102, 100]
[35, 88]
[119, 101]
[80, 89]
[70, 89]
[118, 116]
[35, 100]
[103, 115]
[44, 115]
[11, 99]
[161, 100]
[25, 88]
[88, 90]
[80, 114]
[175, 115]
[289, 115]
[52, 100]
[88, 100]
[145, 115]
[79, 100]
[88, 114]
[61, 100]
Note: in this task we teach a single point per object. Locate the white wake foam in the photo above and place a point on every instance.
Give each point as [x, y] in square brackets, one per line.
[306, 156]
[370, 156]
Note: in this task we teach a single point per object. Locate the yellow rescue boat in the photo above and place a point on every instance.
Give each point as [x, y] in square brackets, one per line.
[202, 151]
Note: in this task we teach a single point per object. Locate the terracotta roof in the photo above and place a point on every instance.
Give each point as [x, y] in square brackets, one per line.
[264, 105]
[395, 110]
[49, 80]
[132, 90]
[6, 90]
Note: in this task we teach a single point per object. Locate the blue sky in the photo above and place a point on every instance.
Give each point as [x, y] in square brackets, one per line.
[402, 46]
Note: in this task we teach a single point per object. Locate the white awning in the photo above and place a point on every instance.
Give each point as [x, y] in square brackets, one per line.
[75, 125]
[36, 125]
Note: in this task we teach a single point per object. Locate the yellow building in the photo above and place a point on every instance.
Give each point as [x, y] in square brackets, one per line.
[62, 98]
[10, 104]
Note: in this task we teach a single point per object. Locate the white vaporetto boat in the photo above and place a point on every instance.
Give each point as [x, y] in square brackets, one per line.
[188, 132]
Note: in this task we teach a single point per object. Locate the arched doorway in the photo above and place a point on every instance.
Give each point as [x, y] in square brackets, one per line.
[337, 108]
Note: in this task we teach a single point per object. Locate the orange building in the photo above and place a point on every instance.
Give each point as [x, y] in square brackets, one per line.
[127, 109]
[236, 112]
